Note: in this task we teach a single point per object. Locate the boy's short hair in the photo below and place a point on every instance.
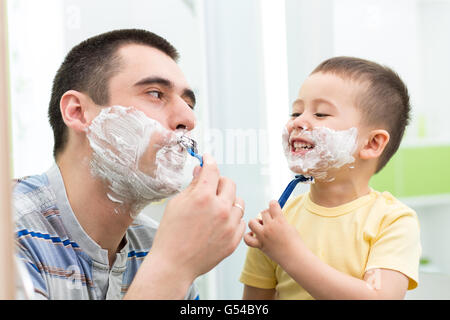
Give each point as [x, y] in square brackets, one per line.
[384, 102]
[89, 66]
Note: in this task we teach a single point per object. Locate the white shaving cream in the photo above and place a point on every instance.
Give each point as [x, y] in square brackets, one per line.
[119, 137]
[332, 149]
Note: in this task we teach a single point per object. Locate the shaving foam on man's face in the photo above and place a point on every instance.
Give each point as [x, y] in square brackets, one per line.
[140, 160]
[314, 152]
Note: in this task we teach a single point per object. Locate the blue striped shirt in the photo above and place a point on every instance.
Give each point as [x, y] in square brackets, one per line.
[61, 259]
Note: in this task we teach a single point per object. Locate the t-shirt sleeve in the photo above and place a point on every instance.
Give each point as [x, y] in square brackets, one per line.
[259, 270]
[397, 247]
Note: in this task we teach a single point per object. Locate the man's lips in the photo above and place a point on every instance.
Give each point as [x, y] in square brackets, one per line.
[300, 146]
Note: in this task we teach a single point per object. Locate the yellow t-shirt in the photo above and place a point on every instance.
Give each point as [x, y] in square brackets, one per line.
[373, 231]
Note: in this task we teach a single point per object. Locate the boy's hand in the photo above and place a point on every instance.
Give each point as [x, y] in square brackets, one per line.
[272, 234]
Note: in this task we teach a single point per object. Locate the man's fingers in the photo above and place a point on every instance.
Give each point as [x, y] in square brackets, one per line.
[238, 210]
[208, 177]
[239, 232]
[226, 189]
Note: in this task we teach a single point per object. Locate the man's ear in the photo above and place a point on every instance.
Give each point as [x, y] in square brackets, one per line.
[375, 144]
[73, 106]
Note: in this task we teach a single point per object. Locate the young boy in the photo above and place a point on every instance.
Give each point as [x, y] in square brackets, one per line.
[342, 239]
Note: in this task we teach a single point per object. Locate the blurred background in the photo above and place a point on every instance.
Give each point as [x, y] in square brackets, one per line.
[246, 61]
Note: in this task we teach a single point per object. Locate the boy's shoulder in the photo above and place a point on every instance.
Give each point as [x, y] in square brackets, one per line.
[390, 204]
[390, 209]
[382, 204]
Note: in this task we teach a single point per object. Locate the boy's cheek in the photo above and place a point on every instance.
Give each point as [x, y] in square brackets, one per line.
[289, 125]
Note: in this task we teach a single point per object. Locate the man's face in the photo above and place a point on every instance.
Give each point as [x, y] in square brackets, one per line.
[325, 101]
[134, 142]
[150, 81]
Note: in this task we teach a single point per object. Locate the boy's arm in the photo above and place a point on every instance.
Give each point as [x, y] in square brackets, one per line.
[318, 278]
[253, 293]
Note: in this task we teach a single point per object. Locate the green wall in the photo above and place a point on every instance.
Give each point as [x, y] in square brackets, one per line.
[416, 171]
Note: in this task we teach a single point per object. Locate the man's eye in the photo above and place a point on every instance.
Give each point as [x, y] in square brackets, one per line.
[155, 93]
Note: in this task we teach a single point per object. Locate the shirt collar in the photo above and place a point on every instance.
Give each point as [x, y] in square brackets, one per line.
[73, 227]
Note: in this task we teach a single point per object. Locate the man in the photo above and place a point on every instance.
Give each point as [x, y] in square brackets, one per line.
[79, 236]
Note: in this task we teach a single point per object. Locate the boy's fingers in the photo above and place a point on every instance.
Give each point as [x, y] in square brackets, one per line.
[251, 240]
[255, 226]
[274, 209]
[265, 216]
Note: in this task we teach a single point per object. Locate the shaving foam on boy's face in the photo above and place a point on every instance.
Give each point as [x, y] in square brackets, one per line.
[139, 160]
[314, 152]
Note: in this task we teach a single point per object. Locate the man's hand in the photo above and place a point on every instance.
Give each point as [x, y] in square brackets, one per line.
[200, 227]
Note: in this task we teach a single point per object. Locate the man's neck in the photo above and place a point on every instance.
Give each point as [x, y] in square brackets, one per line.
[94, 211]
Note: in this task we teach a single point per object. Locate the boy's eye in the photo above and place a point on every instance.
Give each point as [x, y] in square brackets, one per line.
[321, 115]
[295, 114]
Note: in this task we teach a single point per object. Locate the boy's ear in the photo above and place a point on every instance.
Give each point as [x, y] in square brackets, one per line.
[74, 110]
[374, 146]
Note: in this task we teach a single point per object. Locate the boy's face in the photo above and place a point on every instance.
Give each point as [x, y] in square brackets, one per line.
[324, 101]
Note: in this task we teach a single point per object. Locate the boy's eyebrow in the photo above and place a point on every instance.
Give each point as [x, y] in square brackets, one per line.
[297, 101]
[315, 101]
[322, 100]
[187, 93]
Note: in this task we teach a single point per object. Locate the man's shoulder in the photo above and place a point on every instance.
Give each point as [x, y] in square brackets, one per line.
[32, 194]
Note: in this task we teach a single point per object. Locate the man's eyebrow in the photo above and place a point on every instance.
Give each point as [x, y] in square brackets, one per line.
[188, 93]
[154, 80]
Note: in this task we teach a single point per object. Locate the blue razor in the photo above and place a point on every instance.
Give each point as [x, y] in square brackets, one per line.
[290, 187]
[191, 147]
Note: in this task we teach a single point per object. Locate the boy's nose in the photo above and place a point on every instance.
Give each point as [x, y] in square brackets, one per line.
[302, 122]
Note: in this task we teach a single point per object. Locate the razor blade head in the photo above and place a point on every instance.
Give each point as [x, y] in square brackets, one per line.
[188, 143]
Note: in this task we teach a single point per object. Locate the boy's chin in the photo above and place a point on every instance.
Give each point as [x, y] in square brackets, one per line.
[298, 170]
[318, 175]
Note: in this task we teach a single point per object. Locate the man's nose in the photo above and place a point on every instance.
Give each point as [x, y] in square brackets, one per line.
[181, 115]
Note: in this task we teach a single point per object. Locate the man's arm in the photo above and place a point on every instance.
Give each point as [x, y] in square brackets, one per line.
[200, 227]
[281, 242]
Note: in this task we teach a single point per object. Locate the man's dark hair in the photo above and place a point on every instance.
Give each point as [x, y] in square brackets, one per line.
[88, 67]
[384, 102]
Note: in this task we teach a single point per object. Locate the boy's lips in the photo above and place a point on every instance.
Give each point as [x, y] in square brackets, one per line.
[300, 146]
